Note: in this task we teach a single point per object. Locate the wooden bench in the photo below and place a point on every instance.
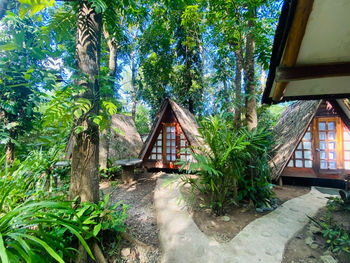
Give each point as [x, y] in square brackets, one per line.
[128, 166]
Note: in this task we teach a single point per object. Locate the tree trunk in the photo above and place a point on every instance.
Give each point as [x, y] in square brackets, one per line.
[85, 155]
[202, 81]
[10, 153]
[84, 173]
[226, 94]
[112, 68]
[235, 191]
[104, 148]
[251, 114]
[112, 62]
[191, 106]
[188, 81]
[238, 87]
[133, 85]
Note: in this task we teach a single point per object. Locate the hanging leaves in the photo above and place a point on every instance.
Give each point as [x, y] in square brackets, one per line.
[33, 6]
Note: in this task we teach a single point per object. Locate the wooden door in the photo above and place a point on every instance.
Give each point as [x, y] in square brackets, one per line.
[169, 152]
[328, 145]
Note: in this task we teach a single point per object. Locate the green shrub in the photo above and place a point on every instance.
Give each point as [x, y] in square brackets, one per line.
[97, 218]
[34, 177]
[337, 238]
[256, 185]
[38, 226]
[35, 232]
[234, 167]
[335, 203]
[111, 172]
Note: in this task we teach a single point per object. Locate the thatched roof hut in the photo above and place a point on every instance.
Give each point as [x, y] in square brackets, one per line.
[123, 142]
[288, 131]
[312, 139]
[119, 142]
[174, 129]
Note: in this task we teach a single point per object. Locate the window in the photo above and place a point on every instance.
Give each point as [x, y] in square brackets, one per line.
[175, 145]
[302, 156]
[185, 152]
[156, 153]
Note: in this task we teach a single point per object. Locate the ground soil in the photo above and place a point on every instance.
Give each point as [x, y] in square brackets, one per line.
[298, 250]
[239, 217]
[140, 243]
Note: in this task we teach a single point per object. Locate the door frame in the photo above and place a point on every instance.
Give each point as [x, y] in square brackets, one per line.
[164, 153]
[338, 140]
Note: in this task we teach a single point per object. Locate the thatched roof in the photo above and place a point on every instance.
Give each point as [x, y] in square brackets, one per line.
[186, 120]
[288, 131]
[125, 142]
[188, 125]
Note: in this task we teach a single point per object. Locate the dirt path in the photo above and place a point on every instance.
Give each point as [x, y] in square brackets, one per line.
[141, 222]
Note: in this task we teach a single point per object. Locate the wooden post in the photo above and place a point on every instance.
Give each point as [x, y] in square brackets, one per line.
[128, 174]
[280, 181]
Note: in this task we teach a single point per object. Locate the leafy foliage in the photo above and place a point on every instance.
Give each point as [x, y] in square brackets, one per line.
[34, 6]
[111, 171]
[177, 46]
[37, 225]
[337, 238]
[234, 167]
[336, 203]
[142, 120]
[34, 231]
[22, 69]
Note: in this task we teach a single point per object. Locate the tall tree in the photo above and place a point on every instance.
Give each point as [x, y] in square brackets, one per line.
[189, 67]
[133, 67]
[84, 174]
[173, 55]
[225, 18]
[85, 154]
[250, 87]
[238, 86]
[157, 58]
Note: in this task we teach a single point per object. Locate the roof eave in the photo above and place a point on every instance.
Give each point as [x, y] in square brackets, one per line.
[280, 40]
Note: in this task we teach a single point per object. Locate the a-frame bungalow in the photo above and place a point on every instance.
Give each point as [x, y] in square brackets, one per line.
[312, 141]
[173, 135]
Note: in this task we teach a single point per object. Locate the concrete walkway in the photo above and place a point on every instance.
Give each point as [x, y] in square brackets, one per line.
[263, 240]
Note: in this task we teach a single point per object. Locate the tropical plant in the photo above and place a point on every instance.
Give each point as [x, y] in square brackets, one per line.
[33, 229]
[98, 219]
[233, 167]
[24, 48]
[35, 232]
[336, 236]
[45, 231]
[111, 171]
[142, 120]
[336, 203]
